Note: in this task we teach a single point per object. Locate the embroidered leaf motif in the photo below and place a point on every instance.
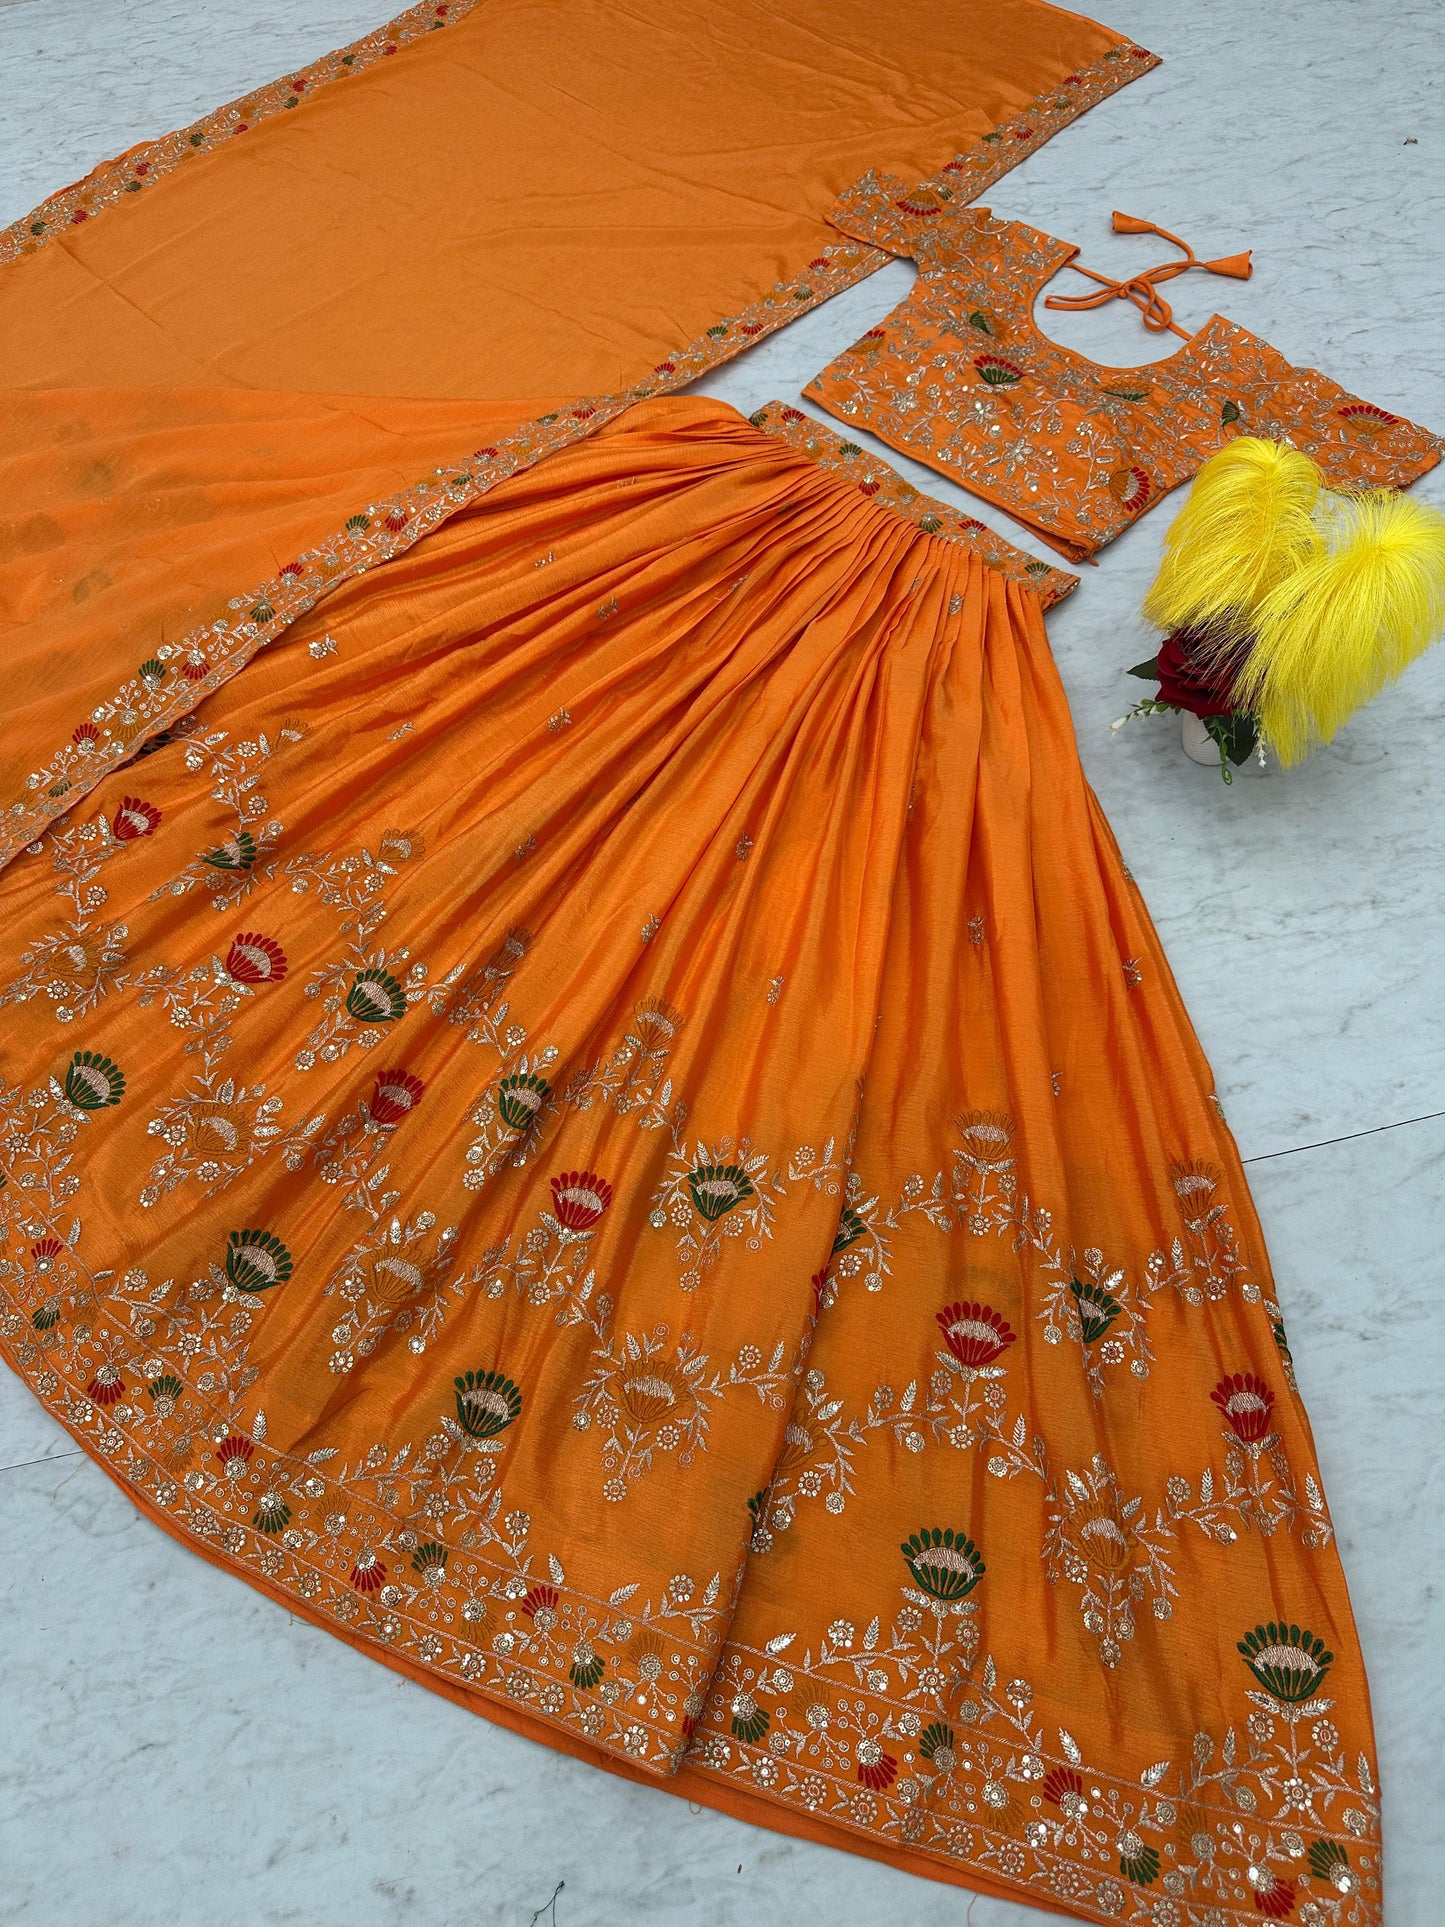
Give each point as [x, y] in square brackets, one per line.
[780, 1644]
[1071, 1747]
[1152, 1775]
[622, 1595]
[554, 1567]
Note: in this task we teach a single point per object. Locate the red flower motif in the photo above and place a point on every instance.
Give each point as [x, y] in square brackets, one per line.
[390, 47]
[1073, 80]
[975, 1334]
[821, 262]
[244, 127]
[483, 454]
[85, 737]
[579, 1199]
[1186, 682]
[44, 1251]
[395, 521]
[368, 1574]
[1023, 133]
[298, 86]
[195, 669]
[1272, 1895]
[1138, 53]
[1131, 488]
[540, 1599]
[794, 415]
[876, 1768]
[584, 414]
[954, 167]
[142, 167]
[291, 568]
[80, 214]
[665, 368]
[997, 372]
[255, 960]
[134, 818]
[1063, 1786]
[396, 1096]
[106, 1388]
[819, 1283]
[1246, 1402]
[868, 488]
[752, 327]
[234, 1452]
[916, 208]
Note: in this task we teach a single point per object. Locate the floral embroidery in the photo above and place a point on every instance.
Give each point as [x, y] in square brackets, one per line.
[821, 445]
[1073, 449]
[647, 1393]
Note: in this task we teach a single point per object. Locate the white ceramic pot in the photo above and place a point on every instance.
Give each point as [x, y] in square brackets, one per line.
[1199, 745]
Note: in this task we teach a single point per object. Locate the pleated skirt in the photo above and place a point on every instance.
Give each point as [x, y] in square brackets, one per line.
[606, 1122]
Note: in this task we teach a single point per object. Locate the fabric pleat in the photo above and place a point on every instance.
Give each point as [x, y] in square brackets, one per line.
[605, 1121]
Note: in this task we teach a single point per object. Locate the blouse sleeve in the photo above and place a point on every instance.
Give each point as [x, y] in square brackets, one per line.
[1356, 443]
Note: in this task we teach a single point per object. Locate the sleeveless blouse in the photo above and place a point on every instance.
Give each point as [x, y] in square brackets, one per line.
[960, 377]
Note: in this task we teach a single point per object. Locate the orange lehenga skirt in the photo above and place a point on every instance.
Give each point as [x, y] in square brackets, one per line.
[606, 1122]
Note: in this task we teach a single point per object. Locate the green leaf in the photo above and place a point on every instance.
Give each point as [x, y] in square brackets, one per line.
[1235, 735]
[1147, 671]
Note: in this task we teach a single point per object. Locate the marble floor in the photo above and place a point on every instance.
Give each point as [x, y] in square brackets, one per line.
[176, 1746]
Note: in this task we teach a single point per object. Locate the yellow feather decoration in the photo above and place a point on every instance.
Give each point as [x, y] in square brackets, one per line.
[1246, 526]
[1342, 624]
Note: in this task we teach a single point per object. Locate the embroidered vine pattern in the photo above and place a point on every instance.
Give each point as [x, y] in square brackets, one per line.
[81, 962]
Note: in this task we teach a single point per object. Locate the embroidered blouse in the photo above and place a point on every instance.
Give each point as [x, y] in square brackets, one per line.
[959, 376]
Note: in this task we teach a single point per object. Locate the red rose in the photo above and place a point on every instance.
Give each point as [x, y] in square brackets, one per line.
[1203, 687]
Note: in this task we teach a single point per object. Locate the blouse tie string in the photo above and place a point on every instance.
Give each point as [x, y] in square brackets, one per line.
[1142, 289]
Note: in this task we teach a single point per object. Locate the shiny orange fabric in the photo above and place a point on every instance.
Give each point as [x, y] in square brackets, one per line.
[245, 361]
[608, 1124]
[541, 198]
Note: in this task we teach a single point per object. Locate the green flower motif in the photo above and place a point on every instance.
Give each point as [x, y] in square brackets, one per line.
[1287, 1661]
[358, 524]
[46, 1317]
[930, 523]
[1139, 1863]
[1231, 412]
[487, 1403]
[945, 1564]
[983, 321]
[716, 1188]
[1097, 1309]
[165, 1390]
[152, 672]
[1329, 1861]
[850, 1229]
[263, 612]
[238, 852]
[272, 1513]
[375, 997]
[935, 1743]
[93, 1082]
[750, 1721]
[256, 1260]
[586, 1668]
[521, 1099]
[430, 1560]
